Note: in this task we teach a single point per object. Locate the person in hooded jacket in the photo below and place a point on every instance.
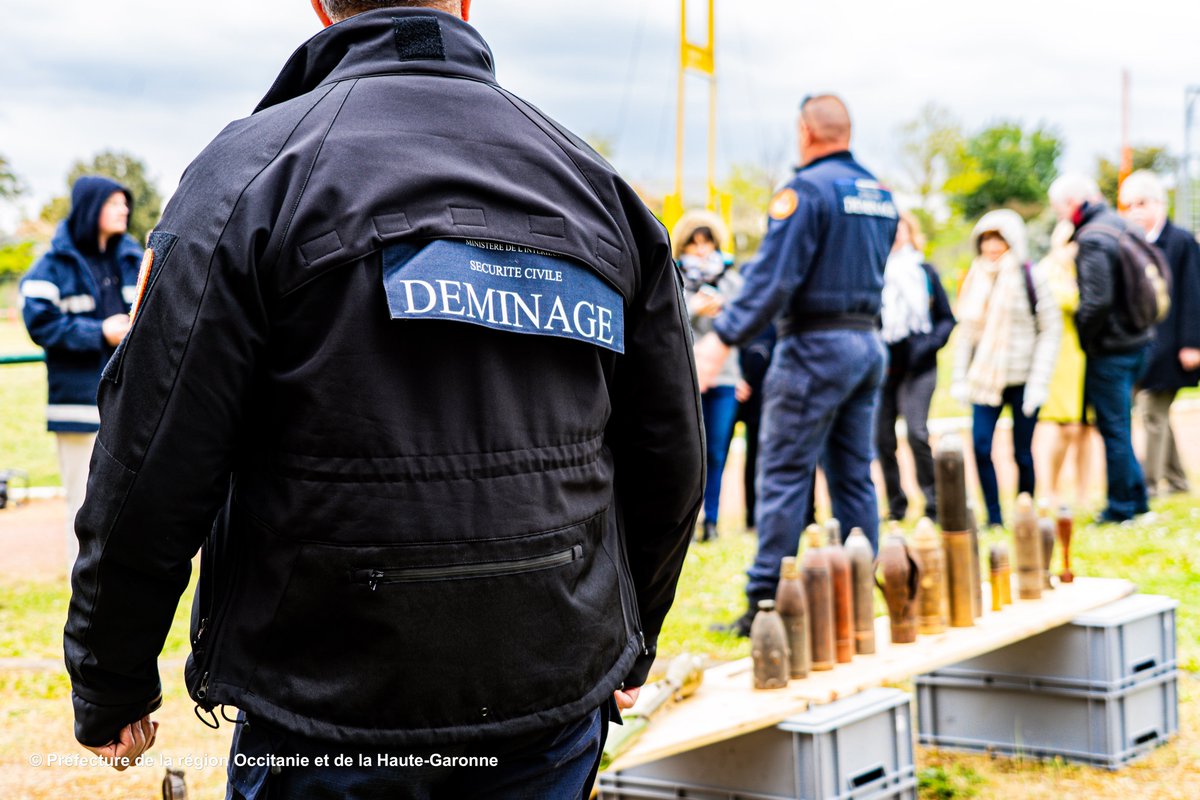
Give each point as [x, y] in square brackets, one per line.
[1009, 327]
[1174, 359]
[709, 282]
[917, 322]
[75, 301]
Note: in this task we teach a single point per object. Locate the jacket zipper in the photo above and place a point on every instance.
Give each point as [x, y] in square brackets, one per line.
[631, 592]
[374, 577]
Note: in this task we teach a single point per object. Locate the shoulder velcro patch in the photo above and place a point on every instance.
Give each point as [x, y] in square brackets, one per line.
[865, 198]
[783, 204]
[503, 287]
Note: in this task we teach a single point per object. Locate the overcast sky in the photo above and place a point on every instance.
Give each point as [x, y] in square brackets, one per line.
[161, 79]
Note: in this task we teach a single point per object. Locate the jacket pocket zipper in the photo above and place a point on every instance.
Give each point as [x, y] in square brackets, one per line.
[374, 577]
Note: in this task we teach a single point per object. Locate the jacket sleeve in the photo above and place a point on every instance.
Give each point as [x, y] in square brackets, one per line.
[1049, 325]
[1095, 288]
[941, 313]
[775, 272]
[657, 439]
[1187, 276]
[48, 325]
[171, 401]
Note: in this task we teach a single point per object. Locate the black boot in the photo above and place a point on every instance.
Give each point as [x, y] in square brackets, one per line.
[741, 625]
[709, 533]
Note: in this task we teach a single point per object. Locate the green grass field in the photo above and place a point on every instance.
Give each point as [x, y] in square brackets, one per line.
[24, 442]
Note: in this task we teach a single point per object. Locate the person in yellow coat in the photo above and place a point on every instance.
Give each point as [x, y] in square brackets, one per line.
[1065, 411]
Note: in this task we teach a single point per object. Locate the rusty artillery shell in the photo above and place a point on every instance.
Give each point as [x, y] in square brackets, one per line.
[933, 608]
[1001, 569]
[959, 586]
[862, 575]
[818, 594]
[1046, 529]
[792, 608]
[951, 484]
[768, 648]
[1027, 546]
[976, 566]
[955, 518]
[900, 586]
[1065, 528]
[843, 593]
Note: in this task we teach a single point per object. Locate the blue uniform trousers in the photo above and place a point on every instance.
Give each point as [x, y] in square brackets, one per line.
[555, 764]
[819, 397]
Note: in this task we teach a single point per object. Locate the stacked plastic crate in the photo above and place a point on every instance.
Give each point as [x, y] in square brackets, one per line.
[859, 748]
[1101, 690]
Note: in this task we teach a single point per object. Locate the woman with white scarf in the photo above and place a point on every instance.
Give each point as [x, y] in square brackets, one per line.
[917, 322]
[1009, 331]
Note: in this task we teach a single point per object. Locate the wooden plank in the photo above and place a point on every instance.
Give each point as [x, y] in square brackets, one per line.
[726, 705]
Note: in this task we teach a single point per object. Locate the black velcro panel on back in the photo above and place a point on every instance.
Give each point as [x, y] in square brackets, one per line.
[419, 38]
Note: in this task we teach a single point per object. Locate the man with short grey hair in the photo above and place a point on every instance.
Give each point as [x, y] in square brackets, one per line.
[1115, 346]
[1174, 361]
[410, 367]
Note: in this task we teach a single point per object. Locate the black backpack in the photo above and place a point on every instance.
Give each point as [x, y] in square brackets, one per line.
[1144, 283]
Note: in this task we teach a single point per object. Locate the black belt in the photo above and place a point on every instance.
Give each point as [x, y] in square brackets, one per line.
[790, 326]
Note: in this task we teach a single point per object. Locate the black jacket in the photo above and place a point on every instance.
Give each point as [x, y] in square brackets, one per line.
[415, 528]
[1101, 319]
[917, 353]
[1181, 328]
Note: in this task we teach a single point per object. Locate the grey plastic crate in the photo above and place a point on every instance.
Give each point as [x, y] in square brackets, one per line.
[1104, 729]
[860, 748]
[1110, 648]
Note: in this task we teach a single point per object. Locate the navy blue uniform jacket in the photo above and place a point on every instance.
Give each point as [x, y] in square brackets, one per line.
[821, 262]
[413, 367]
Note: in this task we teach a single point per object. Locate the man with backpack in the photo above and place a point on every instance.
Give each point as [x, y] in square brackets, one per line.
[1118, 305]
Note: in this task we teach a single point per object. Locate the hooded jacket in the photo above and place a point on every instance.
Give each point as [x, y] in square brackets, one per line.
[64, 302]
[412, 369]
[1036, 320]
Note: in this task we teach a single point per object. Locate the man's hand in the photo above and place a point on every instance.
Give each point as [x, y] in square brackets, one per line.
[1189, 358]
[1034, 399]
[138, 737]
[711, 353]
[707, 305]
[114, 328]
[743, 391]
[626, 699]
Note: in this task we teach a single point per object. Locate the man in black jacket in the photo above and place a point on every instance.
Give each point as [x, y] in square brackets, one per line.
[1115, 347]
[410, 363]
[1174, 361]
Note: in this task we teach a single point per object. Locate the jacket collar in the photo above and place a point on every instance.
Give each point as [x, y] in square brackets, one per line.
[841, 155]
[1087, 212]
[386, 41]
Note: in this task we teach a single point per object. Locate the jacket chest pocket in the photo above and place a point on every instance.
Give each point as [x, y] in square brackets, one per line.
[447, 635]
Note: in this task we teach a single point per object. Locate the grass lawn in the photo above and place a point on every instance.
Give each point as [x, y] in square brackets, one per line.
[1161, 554]
[24, 441]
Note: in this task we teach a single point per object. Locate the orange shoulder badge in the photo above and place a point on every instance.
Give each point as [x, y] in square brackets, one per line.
[143, 281]
[783, 204]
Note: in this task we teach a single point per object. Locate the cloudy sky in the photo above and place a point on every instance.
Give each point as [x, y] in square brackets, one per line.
[161, 79]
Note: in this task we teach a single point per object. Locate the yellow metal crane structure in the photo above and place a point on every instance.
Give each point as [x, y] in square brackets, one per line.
[701, 60]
